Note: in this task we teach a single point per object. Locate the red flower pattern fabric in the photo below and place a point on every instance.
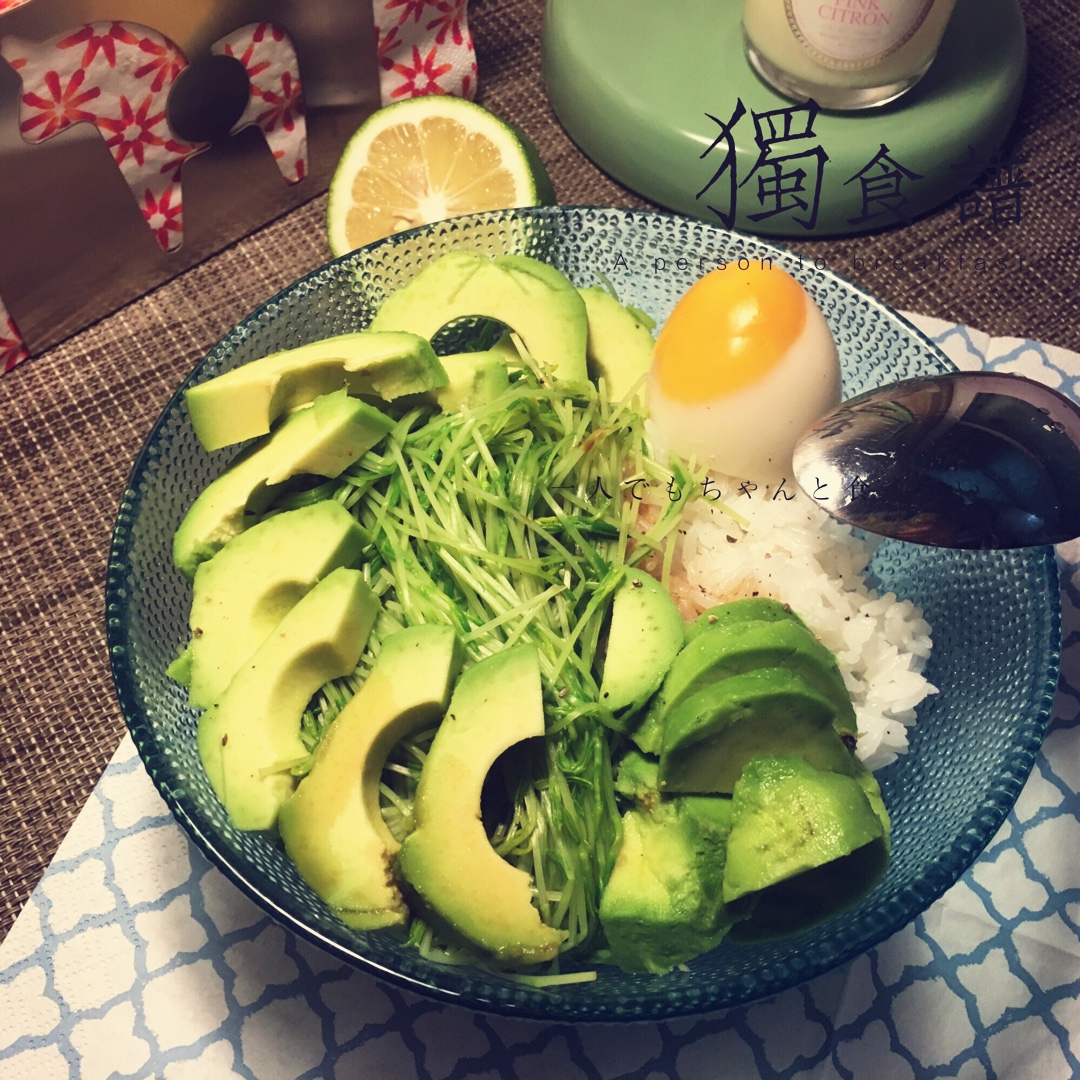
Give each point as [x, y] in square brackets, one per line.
[117, 76]
[275, 94]
[425, 47]
[12, 347]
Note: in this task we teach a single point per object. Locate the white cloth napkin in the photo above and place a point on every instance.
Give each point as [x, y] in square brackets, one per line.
[135, 957]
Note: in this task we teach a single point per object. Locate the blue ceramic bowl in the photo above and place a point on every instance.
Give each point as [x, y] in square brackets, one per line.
[995, 617]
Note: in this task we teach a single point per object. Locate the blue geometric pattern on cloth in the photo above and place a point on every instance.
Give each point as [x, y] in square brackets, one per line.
[136, 958]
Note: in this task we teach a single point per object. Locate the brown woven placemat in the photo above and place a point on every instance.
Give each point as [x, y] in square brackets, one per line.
[72, 421]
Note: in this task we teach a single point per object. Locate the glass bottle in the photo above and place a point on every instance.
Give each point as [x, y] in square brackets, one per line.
[845, 54]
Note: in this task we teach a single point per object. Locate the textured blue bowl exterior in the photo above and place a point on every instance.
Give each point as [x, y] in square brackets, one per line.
[995, 617]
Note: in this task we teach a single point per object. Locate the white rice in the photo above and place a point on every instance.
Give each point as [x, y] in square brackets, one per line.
[794, 552]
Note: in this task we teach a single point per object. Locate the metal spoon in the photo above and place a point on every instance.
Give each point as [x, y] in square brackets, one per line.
[962, 460]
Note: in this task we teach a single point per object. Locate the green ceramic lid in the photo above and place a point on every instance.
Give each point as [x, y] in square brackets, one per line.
[661, 96]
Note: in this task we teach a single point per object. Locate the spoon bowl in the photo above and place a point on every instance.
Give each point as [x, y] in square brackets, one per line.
[980, 460]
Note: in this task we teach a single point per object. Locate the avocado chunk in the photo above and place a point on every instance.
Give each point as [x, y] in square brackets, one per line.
[245, 402]
[249, 740]
[663, 903]
[872, 790]
[738, 647]
[789, 818]
[750, 609]
[448, 860]
[247, 588]
[530, 297]
[332, 825]
[798, 902]
[711, 735]
[473, 378]
[620, 344]
[637, 778]
[321, 439]
[645, 635]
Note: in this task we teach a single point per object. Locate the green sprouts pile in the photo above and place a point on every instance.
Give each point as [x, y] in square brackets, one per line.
[514, 522]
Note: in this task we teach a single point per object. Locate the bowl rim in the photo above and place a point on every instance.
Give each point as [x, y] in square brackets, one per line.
[949, 865]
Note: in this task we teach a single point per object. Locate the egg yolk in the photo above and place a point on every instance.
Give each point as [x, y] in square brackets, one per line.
[728, 330]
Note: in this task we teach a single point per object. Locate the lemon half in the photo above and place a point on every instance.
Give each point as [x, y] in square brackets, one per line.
[426, 159]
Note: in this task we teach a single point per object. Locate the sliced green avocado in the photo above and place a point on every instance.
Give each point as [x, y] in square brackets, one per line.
[750, 609]
[332, 825]
[739, 647]
[448, 860]
[249, 740]
[321, 440]
[872, 790]
[788, 818]
[620, 345]
[247, 588]
[645, 636]
[663, 903]
[637, 777]
[711, 735]
[530, 297]
[473, 378]
[246, 401]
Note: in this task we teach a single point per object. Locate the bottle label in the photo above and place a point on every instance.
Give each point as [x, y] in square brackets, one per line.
[852, 34]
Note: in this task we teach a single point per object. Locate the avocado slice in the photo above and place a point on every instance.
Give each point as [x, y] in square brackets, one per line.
[530, 297]
[749, 609]
[872, 790]
[332, 825]
[789, 818]
[620, 344]
[473, 378]
[247, 588]
[245, 402]
[738, 647]
[448, 860]
[663, 904]
[795, 903]
[249, 740]
[321, 439]
[711, 735]
[645, 635]
[637, 778]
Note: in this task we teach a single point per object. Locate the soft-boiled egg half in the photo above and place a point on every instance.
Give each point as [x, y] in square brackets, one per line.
[743, 366]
